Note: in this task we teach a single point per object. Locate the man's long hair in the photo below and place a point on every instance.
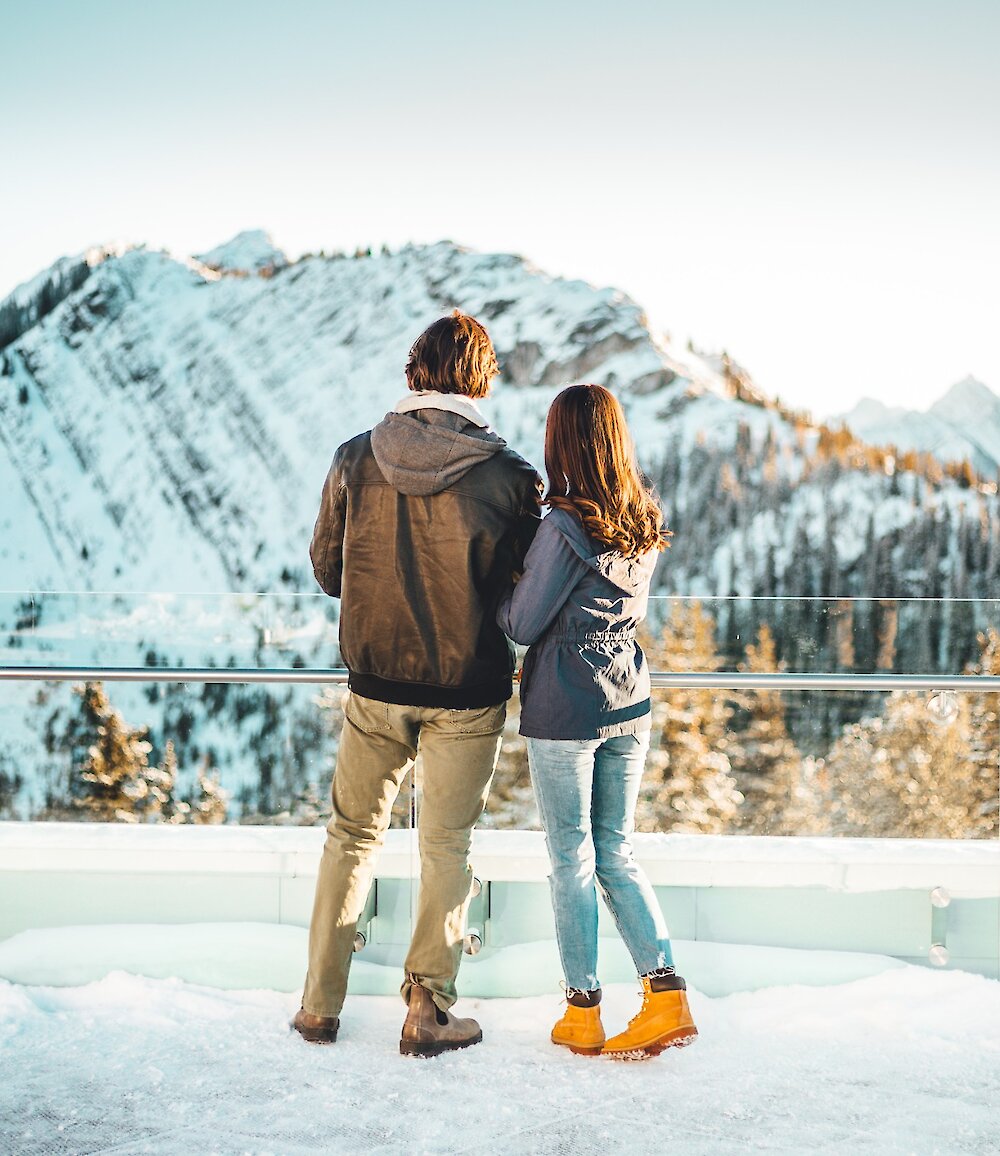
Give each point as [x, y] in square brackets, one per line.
[590, 460]
[454, 355]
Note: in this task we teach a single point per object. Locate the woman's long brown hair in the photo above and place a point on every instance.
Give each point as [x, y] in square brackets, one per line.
[590, 460]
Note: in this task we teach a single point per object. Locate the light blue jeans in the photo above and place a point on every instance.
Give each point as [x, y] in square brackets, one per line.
[587, 790]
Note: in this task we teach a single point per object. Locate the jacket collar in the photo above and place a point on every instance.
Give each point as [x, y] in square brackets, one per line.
[452, 402]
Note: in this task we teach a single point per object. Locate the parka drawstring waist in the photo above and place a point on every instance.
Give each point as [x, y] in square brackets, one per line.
[583, 635]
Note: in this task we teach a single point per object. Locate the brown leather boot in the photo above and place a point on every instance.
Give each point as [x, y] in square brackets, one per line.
[429, 1031]
[315, 1029]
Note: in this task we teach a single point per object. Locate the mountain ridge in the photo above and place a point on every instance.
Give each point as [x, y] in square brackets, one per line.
[961, 425]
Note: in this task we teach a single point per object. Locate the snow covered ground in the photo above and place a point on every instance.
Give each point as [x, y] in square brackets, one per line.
[905, 1061]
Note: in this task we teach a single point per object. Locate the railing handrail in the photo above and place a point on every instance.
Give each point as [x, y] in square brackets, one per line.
[291, 594]
[661, 680]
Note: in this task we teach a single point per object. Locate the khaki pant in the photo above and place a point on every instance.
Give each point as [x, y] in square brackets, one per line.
[378, 744]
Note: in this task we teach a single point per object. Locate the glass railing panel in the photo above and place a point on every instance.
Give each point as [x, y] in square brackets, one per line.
[865, 764]
[167, 752]
[280, 631]
[793, 762]
[848, 759]
[299, 631]
[273, 743]
[900, 764]
[829, 635]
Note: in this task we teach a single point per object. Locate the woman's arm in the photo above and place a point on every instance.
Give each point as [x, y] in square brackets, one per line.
[551, 569]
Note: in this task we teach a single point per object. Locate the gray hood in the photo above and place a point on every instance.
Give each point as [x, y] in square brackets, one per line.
[426, 451]
[629, 575]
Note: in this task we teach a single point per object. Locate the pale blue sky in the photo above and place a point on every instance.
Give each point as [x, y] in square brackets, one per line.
[812, 186]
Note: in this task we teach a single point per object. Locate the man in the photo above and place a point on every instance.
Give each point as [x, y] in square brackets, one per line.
[423, 521]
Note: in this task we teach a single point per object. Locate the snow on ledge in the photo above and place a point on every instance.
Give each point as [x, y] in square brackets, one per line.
[966, 868]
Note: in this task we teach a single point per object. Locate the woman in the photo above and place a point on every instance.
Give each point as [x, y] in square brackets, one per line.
[585, 713]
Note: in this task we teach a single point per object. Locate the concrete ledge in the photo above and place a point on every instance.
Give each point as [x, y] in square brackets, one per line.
[854, 895]
[965, 868]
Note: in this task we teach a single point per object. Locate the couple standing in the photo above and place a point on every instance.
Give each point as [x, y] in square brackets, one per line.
[430, 534]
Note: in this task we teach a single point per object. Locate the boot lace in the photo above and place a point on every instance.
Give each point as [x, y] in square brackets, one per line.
[642, 1011]
[570, 992]
[660, 973]
[657, 973]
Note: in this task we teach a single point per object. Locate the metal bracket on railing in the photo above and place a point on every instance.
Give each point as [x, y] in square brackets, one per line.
[475, 920]
[368, 913]
[942, 706]
[940, 902]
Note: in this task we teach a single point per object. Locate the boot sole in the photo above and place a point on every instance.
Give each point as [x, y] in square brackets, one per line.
[435, 1047]
[680, 1038]
[316, 1035]
[577, 1050]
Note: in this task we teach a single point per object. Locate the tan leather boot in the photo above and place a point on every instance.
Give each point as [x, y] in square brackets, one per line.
[663, 1021]
[580, 1030]
[315, 1029]
[429, 1031]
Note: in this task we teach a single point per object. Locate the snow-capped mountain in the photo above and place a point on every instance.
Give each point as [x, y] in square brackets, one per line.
[963, 425]
[251, 251]
[166, 424]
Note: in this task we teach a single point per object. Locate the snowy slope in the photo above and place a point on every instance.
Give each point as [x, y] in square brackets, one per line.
[962, 425]
[171, 426]
[165, 425]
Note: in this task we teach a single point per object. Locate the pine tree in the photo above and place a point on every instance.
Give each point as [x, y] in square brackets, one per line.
[865, 613]
[887, 616]
[511, 803]
[209, 808]
[906, 773]
[984, 740]
[111, 779]
[11, 782]
[308, 808]
[162, 782]
[690, 787]
[766, 765]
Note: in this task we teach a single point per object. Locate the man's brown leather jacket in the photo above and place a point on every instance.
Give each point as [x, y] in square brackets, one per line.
[423, 522]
